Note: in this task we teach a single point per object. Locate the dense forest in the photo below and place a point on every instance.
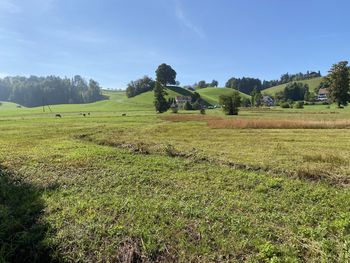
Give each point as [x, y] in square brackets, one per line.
[247, 84]
[36, 91]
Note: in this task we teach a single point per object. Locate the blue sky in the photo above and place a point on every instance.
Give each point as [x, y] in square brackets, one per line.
[115, 41]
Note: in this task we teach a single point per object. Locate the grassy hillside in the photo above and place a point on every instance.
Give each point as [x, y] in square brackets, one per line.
[212, 94]
[116, 103]
[313, 84]
[4, 105]
[209, 95]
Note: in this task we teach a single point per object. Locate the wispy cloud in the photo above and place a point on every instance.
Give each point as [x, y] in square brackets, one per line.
[186, 22]
[8, 6]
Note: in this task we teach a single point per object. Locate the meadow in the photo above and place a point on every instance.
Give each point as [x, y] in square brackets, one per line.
[183, 187]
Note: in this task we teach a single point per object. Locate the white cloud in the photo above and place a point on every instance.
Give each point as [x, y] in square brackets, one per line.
[187, 22]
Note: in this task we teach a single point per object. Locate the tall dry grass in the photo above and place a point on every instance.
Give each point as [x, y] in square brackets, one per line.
[189, 117]
[277, 124]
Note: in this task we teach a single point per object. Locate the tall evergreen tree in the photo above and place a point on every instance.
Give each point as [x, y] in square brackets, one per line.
[160, 102]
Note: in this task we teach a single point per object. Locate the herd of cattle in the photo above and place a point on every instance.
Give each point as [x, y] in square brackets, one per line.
[83, 114]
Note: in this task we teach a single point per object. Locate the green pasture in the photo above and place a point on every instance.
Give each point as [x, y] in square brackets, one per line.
[113, 188]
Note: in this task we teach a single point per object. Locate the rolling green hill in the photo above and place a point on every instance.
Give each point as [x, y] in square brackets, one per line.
[4, 105]
[212, 94]
[313, 84]
[117, 102]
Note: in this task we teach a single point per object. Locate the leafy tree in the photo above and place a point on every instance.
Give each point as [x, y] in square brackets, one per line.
[202, 84]
[37, 91]
[296, 91]
[94, 91]
[339, 80]
[246, 102]
[230, 103]
[166, 74]
[256, 98]
[245, 85]
[214, 83]
[139, 86]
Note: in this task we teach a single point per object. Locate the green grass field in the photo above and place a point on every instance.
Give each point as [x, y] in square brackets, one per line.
[169, 188]
[313, 84]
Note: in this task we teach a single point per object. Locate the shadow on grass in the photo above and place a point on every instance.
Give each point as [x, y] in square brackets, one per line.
[21, 230]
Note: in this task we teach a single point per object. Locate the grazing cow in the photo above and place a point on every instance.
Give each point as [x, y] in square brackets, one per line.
[58, 116]
[124, 114]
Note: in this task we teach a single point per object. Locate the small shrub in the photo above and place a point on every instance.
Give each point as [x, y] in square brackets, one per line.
[299, 105]
[202, 111]
[174, 108]
[285, 105]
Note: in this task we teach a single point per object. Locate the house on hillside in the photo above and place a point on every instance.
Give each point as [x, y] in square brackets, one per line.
[323, 94]
[180, 100]
[268, 101]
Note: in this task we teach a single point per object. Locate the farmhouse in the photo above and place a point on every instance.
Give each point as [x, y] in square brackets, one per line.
[268, 101]
[323, 94]
[183, 99]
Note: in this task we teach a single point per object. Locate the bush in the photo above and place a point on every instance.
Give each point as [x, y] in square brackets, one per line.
[174, 108]
[202, 111]
[299, 105]
[285, 105]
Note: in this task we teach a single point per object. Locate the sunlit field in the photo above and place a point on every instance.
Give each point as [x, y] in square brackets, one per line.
[268, 185]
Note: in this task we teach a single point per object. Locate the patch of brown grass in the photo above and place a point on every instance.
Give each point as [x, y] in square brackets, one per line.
[188, 117]
[277, 124]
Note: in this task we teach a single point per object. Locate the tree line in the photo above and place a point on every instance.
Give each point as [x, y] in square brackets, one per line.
[247, 84]
[37, 91]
